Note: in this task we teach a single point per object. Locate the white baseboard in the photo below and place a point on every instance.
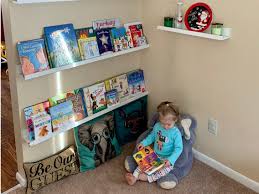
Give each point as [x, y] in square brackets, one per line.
[227, 171]
[21, 180]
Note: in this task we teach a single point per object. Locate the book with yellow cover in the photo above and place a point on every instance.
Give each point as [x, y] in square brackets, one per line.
[148, 161]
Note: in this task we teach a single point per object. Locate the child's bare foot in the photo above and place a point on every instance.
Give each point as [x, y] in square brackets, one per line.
[131, 180]
[142, 177]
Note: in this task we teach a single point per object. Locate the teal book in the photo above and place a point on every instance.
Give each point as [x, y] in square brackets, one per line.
[62, 45]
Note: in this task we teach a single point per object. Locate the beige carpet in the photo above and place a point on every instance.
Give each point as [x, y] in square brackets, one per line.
[109, 179]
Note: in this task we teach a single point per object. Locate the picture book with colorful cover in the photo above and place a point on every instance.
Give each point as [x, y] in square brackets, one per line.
[62, 45]
[136, 82]
[81, 92]
[104, 41]
[106, 23]
[120, 83]
[87, 43]
[59, 98]
[78, 106]
[119, 39]
[62, 116]
[95, 98]
[29, 112]
[136, 31]
[33, 57]
[112, 97]
[148, 161]
[42, 126]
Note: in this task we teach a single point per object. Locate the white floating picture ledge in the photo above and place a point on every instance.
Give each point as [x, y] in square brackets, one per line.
[39, 1]
[84, 62]
[192, 33]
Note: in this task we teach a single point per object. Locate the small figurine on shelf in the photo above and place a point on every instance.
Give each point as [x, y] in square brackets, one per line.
[179, 15]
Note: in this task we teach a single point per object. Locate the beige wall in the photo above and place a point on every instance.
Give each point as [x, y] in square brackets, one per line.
[27, 22]
[208, 78]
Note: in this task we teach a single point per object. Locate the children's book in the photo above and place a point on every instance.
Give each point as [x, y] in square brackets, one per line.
[59, 98]
[119, 39]
[42, 126]
[136, 32]
[78, 106]
[81, 92]
[62, 45]
[148, 161]
[95, 98]
[104, 41]
[136, 81]
[34, 110]
[112, 97]
[120, 83]
[87, 43]
[33, 57]
[62, 116]
[106, 23]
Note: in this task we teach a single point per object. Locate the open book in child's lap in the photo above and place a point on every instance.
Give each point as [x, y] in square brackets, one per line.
[148, 161]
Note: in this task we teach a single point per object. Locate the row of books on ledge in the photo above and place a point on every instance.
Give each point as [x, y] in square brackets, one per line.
[60, 112]
[63, 45]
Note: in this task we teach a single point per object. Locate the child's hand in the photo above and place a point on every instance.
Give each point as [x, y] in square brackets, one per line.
[167, 163]
[140, 147]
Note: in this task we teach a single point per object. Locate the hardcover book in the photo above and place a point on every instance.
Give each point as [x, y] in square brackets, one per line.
[62, 116]
[112, 97]
[59, 98]
[29, 112]
[136, 81]
[62, 45]
[148, 160]
[136, 32]
[106, 23]
[120, 83]
[95, 98]
[78, 106]
[42, 126]
[119, 39]
[87, 43]
[33, 57]
[104, 41]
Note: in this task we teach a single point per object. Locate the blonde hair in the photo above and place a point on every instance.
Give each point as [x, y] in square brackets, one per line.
[165, 108]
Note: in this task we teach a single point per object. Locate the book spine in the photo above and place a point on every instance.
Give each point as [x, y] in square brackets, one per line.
[48, 53]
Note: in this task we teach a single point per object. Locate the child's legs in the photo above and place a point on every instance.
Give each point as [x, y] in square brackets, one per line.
[157, 175]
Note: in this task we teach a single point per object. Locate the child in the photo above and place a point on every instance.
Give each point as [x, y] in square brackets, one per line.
[167, 141]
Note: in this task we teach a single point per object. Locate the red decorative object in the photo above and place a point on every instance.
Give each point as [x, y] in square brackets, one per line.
[198, 17]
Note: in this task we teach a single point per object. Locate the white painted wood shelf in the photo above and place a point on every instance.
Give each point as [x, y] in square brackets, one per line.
[89, 118]
[192, 33]
[84, 62]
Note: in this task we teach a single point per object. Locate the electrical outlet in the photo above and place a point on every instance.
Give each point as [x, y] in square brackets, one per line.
[213, 126]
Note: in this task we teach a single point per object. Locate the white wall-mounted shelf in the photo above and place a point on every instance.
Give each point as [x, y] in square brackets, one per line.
[89, 118]
[84, 62]
[192, 33]
[39, 1]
